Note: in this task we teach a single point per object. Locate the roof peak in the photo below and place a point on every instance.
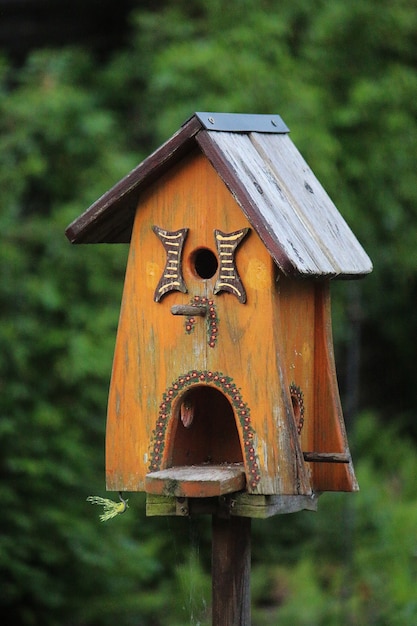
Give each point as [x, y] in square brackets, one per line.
[242, 122]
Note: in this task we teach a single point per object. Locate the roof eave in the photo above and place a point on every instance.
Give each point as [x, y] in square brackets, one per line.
[284, 263]
[110, 218]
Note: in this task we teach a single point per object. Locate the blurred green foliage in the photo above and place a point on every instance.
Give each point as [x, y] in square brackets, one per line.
[343, 76]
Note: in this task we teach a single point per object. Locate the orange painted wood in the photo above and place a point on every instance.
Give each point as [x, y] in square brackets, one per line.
[197, 481]
[329, 427]
[308, 344]
[294, 332]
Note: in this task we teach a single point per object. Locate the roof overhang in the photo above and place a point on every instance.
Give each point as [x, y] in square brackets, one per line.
[269, 179]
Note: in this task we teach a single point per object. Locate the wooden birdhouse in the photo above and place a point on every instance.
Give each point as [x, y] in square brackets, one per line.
[223, 377]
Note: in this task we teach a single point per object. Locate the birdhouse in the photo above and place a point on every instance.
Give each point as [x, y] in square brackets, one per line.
[223, 383]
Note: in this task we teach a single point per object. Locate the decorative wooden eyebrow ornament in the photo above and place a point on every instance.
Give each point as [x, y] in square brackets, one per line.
[229, 279]
[171, 279]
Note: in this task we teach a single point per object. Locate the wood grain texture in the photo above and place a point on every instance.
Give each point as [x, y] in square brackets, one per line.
[277, 190]
[305, 333]
[240, 504]
[321, 225]
[197, 481]
[329, 434]
[326, 457]
[245, 199]
[231, 564]
[262, 507]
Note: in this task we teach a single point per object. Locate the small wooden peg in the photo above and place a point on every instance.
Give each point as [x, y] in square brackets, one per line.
[326, 457]
[189, 310]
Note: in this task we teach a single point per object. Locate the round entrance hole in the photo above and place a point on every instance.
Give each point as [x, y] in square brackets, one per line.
[205, 263]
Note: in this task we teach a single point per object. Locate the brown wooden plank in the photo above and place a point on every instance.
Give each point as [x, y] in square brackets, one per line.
[261, 507]
[318, 223]
[197, 481]
[326, 457]
[274, 209]
[280, 207]
[241, 504]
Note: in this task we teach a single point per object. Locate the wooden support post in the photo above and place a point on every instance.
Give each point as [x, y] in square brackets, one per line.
[231, 563]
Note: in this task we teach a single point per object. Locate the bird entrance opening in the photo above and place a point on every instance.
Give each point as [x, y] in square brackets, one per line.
[206, 431]
[205, 263]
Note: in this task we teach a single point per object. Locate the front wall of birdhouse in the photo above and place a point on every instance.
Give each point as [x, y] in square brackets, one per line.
[175, 374]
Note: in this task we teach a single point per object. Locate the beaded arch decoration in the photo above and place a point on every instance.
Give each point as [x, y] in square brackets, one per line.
[241, 409]
[297, 398]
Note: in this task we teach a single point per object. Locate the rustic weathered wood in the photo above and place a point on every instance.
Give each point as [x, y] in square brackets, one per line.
[319, 222]
[326, 457]
[245, 199]
[262, 507]
[189, 310]
[305, 337]
[160, 505]
[231, 563]
[274, 185]
[224, 369]
[238, 504]
[195, 481]
[338, 476]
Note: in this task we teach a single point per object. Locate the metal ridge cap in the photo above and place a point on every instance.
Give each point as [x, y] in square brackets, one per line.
[242, 122]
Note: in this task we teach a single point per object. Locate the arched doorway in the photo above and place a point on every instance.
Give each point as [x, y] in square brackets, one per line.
[204, 429]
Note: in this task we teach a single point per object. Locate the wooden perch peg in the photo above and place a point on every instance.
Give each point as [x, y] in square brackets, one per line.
[326, 457]
[189, 310]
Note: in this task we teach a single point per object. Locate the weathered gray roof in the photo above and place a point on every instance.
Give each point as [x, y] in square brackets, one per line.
[269, 179]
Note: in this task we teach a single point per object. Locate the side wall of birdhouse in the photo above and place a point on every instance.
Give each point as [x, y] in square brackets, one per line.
[237, 349]
[306, 332]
